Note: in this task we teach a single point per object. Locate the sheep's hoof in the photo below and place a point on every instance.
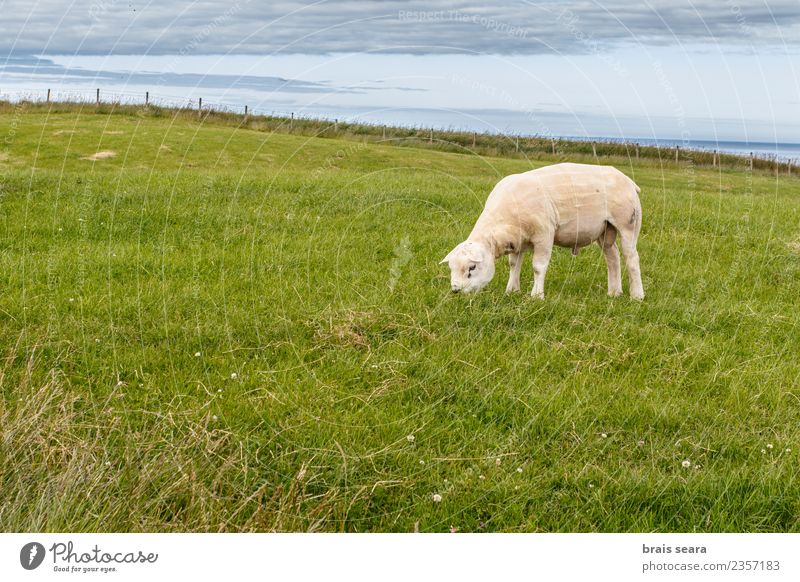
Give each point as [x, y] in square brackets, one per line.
[615, 293]
[637, 296]
[510, 290]
[538, 295]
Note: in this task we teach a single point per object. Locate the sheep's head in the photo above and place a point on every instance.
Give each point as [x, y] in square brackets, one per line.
[471, 267]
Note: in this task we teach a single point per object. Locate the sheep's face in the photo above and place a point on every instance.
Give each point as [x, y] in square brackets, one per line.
[471, 267]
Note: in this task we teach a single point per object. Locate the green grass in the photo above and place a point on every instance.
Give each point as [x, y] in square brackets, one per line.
[304, 271]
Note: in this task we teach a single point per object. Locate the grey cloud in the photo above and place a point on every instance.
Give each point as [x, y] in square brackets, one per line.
[516, 27]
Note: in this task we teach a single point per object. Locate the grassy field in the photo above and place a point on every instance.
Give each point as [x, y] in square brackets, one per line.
[222, 329]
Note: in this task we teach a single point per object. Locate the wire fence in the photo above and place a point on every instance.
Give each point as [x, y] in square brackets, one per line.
[132, 98]
[483, 142]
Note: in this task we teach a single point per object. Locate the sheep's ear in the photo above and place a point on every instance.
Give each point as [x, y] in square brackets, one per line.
[474, 257]
[447, 258]
[473, 252]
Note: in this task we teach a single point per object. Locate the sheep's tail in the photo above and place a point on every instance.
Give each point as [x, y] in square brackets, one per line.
[636, 215]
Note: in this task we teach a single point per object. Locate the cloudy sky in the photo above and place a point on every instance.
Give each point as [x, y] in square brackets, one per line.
[213, 27]
[723, 69]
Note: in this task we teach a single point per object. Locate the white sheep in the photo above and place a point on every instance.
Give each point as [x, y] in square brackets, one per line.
[570, 205]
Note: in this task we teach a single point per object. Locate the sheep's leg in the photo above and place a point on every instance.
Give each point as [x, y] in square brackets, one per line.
[607, 243]
[541, 259]
[515, 260]
[632, 263]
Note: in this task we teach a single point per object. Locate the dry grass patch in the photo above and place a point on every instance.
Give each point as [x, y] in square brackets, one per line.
[103, 155]
[71, 463]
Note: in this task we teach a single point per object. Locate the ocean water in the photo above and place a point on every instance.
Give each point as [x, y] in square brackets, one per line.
[779, 150]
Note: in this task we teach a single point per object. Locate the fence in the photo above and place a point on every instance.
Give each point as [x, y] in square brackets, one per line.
[448, 139]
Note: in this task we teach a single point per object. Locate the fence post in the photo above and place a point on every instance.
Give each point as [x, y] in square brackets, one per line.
[714, 159]
[48, 95]
[98, 97]
[637, 151]
[677, 152]
[553, 146]
[789, 166]
[474, 138]
[430, 139]
[751, 161]
[594, 151]
[384, 132]
[245, 110]
[199, 106]
[335, 125]
[291, 121]
[146, 98]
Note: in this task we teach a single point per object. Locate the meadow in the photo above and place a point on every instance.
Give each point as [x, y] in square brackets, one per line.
[230, 328]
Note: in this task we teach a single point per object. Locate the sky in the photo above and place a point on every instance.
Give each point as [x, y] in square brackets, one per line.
[654, 69]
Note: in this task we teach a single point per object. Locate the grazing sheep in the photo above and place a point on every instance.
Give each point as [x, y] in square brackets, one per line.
[570, 205]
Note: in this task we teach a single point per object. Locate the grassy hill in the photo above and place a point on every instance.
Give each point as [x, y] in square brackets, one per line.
[213, 328]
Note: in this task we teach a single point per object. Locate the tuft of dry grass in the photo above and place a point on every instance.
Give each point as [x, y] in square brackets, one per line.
[62, 470]
[349, 329]
[103, 155]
